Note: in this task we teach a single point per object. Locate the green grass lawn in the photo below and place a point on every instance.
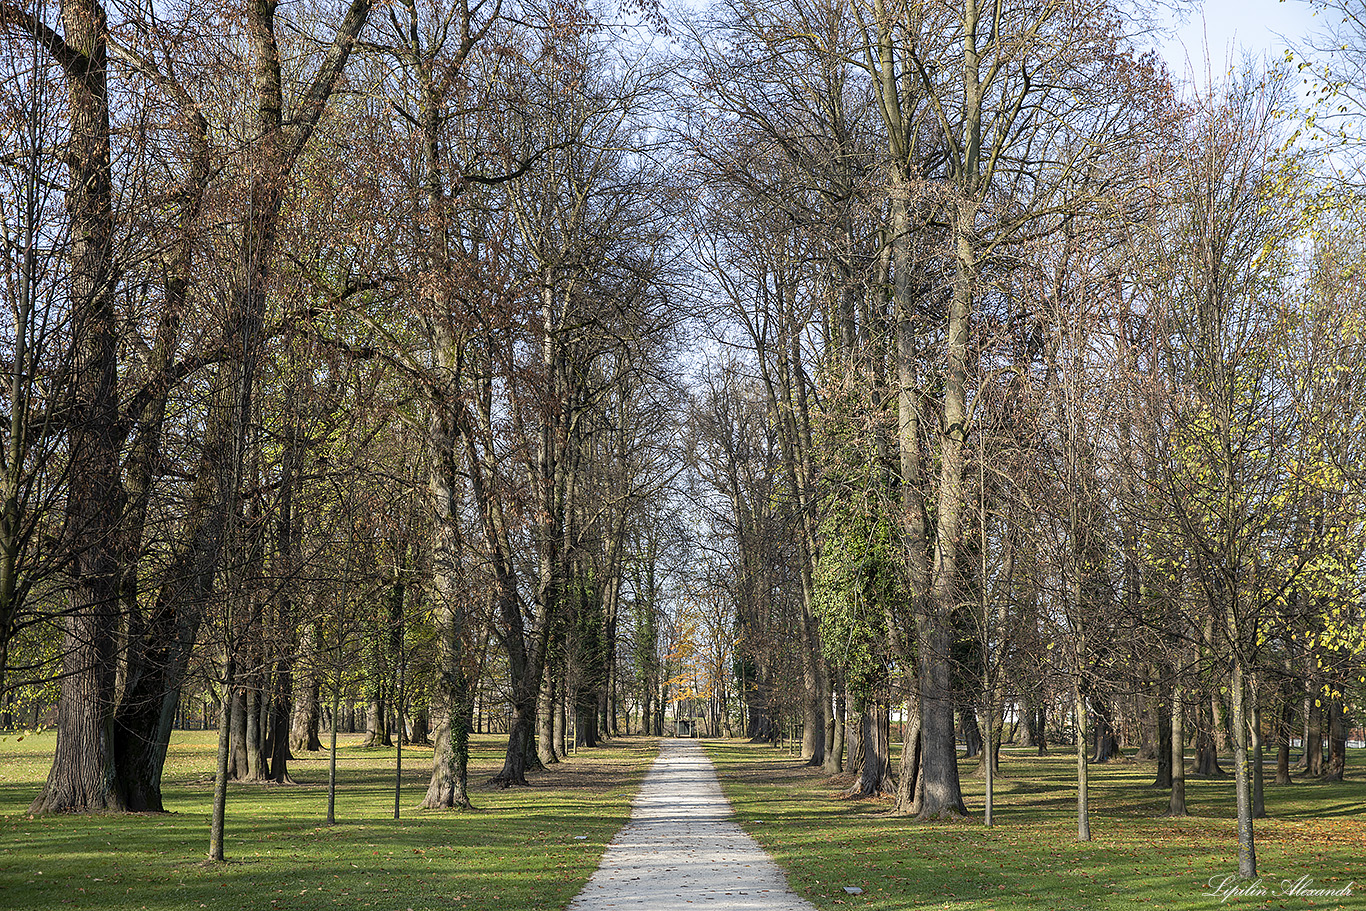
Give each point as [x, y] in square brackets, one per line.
[522, 848]
[1030, 860]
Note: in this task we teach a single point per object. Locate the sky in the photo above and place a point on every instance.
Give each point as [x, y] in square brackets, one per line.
[1231, 27]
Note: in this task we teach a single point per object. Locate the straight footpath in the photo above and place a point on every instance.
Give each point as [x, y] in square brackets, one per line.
[682, 848]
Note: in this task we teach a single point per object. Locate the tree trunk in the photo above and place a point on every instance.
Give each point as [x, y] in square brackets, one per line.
[585, 724]
[561, 721]
[449, 785]
[875, 776]
[1083, 773]
[1032, 735]
[157, 664]
[853, 737]
[907, 784]
[1219, 724]
[1163, 711]
[218, 815]
[760, 728]
[1206, 752]
[1106, 746]
[838, 734]
[1149, 717]
[303, 728]
[1283, 725]
[237, 736]
[279, 720]
[1313, 732]
[545, 721]
[1337, 742]
[1177, 806]
[421, 730]
[972, 734]
[1247, 855]
[254, 739]
[377, 723]
[942, 792]
[83, 775]
[1258, 782]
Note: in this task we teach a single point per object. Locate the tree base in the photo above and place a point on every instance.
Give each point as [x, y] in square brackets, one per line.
[445, 801]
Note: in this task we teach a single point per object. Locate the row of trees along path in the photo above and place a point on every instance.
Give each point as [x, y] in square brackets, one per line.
[498, 359]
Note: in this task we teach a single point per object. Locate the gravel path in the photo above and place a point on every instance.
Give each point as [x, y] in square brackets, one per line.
[681, 848]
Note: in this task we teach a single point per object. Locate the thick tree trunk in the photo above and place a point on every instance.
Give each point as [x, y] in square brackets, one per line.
[421, 729]
[146, 713]
[908, 777]
[279, 721]
[853, 737]
[611, 606]
[1206, 759]
[449, 784]
[520, 756]
[1313, 732]
[813, 710]
[1104, 743]
[83, 775]
[545, 721]
[303, 727]
[972, 734]
[1163, 712]
[1336, 766]
[941, 790]
[237, 736]
[760, 726]
[875, 772]
[454, 698]
[1149, 721]
[1218, 718]
[1206, 749]
[1032, 735]
[257, 700]
[836, 736]
[585, 724]
[1284, 724]
[561, 720]
[377, 723]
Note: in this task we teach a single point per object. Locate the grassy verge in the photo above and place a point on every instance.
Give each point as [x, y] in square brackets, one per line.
[1031, 859]
[521, 848]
